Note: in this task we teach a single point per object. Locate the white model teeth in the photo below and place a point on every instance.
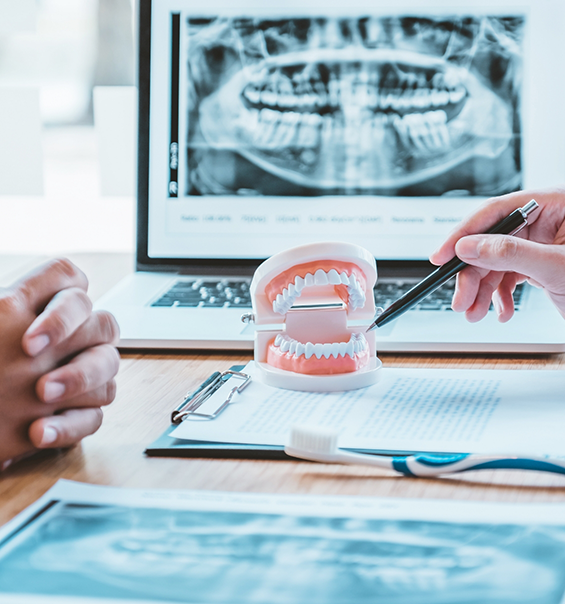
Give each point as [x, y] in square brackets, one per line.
[321, 277]
[356, 293]
[333, 277]
[357, 343]
[292, 291]
[308, 349]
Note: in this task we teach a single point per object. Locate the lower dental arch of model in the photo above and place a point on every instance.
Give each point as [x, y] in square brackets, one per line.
[312, 305]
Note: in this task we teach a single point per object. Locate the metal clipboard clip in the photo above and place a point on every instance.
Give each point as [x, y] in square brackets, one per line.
[188, 409]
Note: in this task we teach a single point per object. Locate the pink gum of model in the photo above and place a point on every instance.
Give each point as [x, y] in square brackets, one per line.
[312, 305]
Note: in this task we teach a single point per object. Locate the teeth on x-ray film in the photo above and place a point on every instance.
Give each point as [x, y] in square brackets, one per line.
[395, 106]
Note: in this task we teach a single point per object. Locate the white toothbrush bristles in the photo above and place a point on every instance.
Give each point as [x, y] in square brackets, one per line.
[314, 439]
[315, 443]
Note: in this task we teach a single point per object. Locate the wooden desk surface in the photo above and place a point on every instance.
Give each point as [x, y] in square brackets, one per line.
[149, 385]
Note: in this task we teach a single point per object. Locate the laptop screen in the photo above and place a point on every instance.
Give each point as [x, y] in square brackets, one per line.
[273, 124]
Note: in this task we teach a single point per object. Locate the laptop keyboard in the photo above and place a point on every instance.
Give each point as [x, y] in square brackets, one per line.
[226, 293]
[387, 292]
[207, 294]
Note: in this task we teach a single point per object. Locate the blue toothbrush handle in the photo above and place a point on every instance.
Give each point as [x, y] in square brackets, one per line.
[435, 465]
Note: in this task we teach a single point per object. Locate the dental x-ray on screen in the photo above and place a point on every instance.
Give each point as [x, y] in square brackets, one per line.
[398, 106]
[270, 125]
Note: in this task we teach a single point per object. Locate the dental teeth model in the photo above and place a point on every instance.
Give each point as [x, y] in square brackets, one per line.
[311, 307]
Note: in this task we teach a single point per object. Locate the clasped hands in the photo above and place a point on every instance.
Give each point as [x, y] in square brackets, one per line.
[57, 361]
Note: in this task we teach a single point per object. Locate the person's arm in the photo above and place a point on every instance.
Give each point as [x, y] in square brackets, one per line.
[57, 361]
[499, 262]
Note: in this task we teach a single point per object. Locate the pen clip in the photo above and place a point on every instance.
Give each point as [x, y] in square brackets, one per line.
[530, 207]
[189, 408]
[519, 228]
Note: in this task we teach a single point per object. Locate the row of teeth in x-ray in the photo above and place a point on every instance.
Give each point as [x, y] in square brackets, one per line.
[293, 290]
[281, 92]
[275, 130]
[357, 343]
[407, 577]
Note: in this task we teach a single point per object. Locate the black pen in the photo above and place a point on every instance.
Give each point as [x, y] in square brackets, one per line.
[507, 226]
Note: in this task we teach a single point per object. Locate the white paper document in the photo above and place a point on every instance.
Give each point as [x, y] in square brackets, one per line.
[81, 544]
[443, 410]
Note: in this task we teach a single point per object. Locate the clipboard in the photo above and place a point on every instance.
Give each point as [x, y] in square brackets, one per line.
[165, 446]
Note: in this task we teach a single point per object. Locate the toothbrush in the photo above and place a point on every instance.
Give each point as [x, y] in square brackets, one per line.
[320, 444]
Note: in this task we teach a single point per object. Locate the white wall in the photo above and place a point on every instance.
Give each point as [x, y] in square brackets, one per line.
[48, 52]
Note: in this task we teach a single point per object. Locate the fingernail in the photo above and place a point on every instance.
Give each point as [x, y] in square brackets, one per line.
[6, 464]
[53, 391]
[469, 247]
[497, 306]
[36, 344]
[49, 436]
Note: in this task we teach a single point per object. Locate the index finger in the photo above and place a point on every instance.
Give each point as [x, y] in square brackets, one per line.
[63, 315]
[39, 286]
[488, 214]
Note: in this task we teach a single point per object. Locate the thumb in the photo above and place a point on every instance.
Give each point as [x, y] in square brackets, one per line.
[543, 263]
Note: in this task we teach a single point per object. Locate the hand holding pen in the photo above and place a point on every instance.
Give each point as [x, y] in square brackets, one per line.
[497, 263]
[500, 263]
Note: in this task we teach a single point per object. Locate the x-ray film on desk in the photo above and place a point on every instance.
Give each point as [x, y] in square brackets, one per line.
[268, 125]
[87, 544]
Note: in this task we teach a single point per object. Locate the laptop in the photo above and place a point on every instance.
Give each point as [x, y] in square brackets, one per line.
[263, 126]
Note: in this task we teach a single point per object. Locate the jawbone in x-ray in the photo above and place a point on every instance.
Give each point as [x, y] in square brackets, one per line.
[373, 106]
[154, 554]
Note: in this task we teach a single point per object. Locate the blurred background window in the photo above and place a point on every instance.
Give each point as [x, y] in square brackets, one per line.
[76, 45]
[73, 46]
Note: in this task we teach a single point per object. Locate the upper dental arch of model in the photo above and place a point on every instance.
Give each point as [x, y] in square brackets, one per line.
[311, 308]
